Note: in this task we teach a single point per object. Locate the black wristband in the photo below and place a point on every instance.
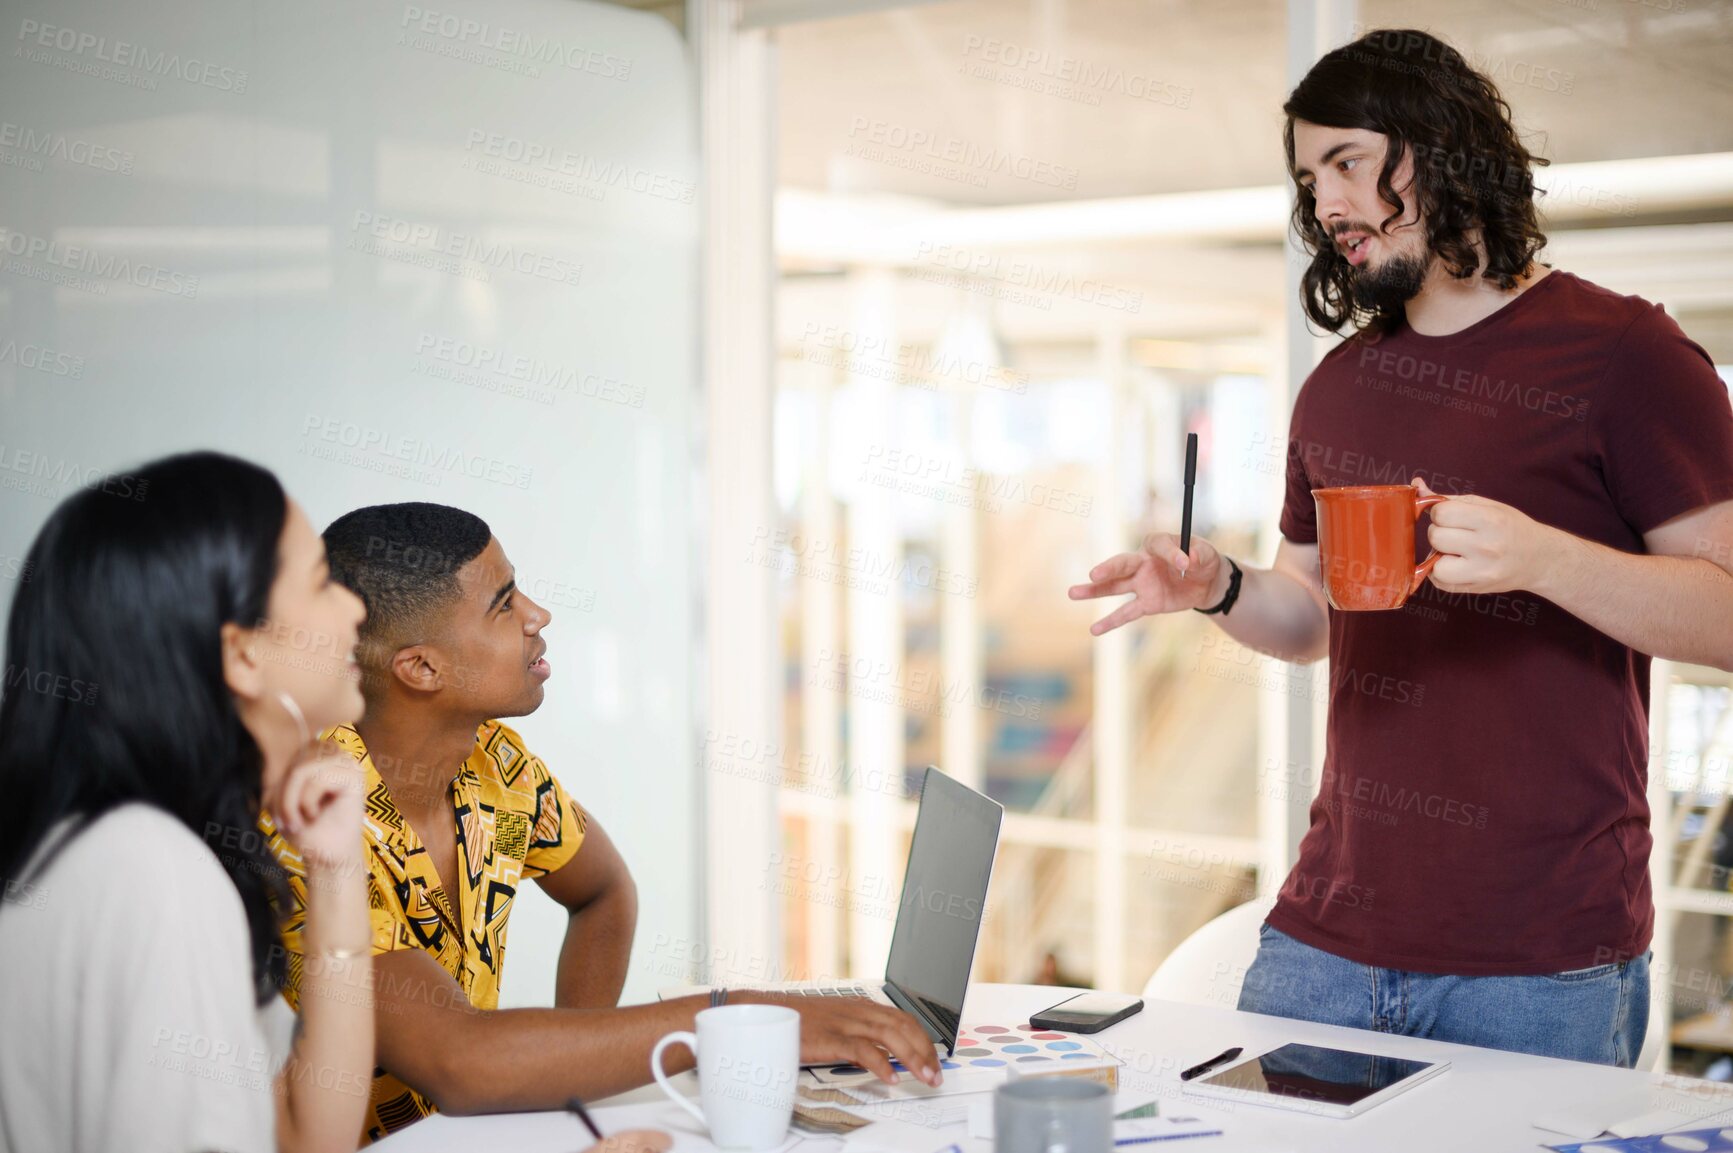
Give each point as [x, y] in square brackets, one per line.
[1229, 597]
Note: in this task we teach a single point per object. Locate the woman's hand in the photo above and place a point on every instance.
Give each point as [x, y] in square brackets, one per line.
[634, 1141]
[318, 806]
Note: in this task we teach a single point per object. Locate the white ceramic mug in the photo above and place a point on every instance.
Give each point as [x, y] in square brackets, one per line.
[748, 1059]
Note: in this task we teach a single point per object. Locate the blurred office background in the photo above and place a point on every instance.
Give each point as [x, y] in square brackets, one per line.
[892, 319]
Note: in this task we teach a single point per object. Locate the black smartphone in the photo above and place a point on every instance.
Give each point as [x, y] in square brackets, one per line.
[1087, 1012]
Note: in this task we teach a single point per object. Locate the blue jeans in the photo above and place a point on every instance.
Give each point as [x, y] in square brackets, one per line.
[1599, 1014]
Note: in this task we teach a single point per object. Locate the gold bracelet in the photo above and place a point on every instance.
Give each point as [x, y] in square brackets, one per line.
[340, 953]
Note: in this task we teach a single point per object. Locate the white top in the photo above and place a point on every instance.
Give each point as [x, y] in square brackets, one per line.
[127, 1017]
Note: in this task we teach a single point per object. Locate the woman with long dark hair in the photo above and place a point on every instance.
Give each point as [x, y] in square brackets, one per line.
[174, 647]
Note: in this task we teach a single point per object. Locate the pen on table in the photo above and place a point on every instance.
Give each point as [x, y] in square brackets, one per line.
[1218, 1059]
[577, 1106]
[1151, 1139]
[1190, 480]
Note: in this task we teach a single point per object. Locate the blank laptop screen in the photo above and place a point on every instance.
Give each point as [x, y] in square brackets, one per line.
[939, 917]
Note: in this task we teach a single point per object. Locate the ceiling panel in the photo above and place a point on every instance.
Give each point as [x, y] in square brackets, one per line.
[999, 102]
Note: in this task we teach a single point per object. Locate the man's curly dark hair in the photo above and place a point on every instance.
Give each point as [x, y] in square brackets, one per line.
[1471, 172]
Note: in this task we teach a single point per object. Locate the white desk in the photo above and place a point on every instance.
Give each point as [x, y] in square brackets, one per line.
[1487, 1101]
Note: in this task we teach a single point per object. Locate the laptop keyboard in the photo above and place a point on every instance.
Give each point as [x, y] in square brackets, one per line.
[829, 991]
[942, 1015]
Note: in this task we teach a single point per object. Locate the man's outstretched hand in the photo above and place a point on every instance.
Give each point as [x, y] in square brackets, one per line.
[1159, 579]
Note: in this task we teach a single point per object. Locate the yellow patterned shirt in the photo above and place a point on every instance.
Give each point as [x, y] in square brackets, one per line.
[513, 821]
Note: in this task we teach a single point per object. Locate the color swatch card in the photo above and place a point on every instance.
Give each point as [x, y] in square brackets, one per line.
[989, 1046]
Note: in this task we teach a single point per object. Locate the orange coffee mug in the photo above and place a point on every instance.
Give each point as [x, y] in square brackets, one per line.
[1366, 545]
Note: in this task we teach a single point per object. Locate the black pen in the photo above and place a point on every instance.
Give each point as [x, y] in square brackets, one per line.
[577, 1106]
[1219, 1059]
[1190, 480]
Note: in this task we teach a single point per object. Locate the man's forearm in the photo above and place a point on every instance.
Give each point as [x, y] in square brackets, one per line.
[518, 1060]
[1274, 615]
[597, 951]
[1675, 607]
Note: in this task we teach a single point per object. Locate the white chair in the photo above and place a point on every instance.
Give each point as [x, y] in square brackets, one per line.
[1656, 1040]
[1209, 966]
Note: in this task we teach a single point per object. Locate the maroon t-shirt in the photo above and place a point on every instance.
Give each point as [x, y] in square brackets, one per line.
[1481, 808]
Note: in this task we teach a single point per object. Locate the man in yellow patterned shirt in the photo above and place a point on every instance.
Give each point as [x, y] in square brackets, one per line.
[535, 830]
[458, 812]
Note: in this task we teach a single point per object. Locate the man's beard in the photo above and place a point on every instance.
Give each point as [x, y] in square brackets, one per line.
[1385, 289]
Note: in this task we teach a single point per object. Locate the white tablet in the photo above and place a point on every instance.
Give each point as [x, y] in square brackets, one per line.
[1312, 1079]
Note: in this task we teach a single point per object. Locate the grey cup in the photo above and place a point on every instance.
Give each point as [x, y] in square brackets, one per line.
[1049, 1115]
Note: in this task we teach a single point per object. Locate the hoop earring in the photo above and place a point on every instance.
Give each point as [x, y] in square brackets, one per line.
[295, 714]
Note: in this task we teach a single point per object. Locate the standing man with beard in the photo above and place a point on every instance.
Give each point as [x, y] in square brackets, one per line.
[1597, 440]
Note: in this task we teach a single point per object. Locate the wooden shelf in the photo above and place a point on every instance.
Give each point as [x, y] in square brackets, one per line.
[1711, 1032]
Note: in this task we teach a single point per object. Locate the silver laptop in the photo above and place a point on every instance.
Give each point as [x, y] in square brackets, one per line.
[938, 916]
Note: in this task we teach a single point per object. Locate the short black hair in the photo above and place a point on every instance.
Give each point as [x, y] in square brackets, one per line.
[402, 560]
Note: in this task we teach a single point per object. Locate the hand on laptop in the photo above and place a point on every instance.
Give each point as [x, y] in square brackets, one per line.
[858, 1031]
